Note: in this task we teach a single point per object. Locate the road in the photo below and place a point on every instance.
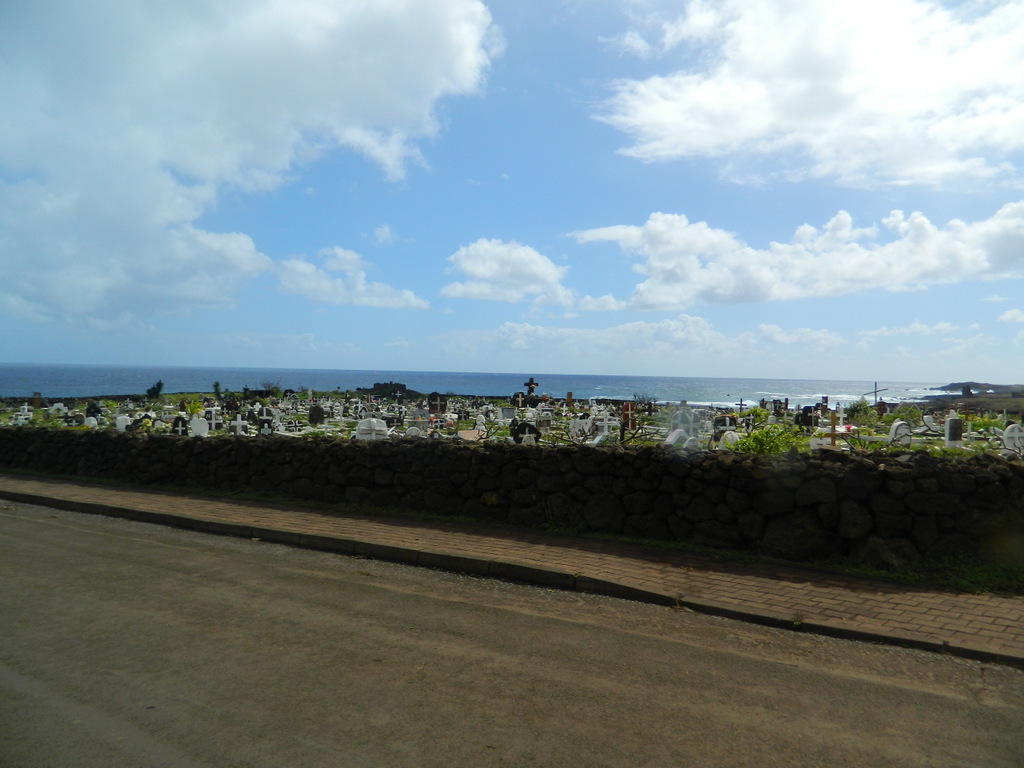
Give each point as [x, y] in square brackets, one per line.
[127, 644]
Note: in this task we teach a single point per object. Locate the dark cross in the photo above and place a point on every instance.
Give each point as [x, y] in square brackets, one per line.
[531, 385]
[875, 392]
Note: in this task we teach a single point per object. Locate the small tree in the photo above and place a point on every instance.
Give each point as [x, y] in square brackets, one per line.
[216, 390]
[861, 413]
[154, 392]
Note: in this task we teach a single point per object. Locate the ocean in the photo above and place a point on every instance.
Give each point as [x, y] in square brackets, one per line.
[84, 381]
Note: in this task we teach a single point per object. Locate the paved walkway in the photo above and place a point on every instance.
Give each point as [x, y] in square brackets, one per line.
[985, 627]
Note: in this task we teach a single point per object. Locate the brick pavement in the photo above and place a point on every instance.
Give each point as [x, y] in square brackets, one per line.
[984, 627]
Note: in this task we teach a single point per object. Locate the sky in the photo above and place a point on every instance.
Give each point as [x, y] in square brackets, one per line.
[730, 188]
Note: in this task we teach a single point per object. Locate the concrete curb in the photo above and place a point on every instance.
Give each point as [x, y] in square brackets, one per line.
[510, 571]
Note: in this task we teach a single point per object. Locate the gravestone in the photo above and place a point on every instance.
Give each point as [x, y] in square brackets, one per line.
[91, 422]
[180, 426]
[199, 427]
[629, 417]
[213, 416]
[544, 419]
[730, 438]
[684, 419]
[954, 432]
[93, 409]
[524, 432]
[122, 422]
[317, 416]
[1013, 438]
[899, 433]
[266, 419]
[582, 426]
[676, 436]
[238, 425]
[371, 429]
[508, 414]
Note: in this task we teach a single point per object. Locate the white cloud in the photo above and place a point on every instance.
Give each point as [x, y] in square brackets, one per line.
[914, 329]
[383, 235]
[506, 271]
[803, 337]
[688, 263]
[671, 335]
[342, 280]
[124, 121]
[600, 303]
[890, 91]
[1012, 316]
[681, 343]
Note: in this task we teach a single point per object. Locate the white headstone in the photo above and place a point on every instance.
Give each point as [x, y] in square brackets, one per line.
[899, 432]
[1013, 438]
[371, 429]
[199, 427]
[581, 427]
[730, 438]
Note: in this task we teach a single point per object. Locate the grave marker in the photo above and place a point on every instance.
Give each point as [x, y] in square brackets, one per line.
[238, 425]
[317, 416]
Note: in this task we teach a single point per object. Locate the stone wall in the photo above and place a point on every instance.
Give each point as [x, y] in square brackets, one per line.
[885, 508]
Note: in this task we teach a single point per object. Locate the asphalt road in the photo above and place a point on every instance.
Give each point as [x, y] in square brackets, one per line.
[126, 644]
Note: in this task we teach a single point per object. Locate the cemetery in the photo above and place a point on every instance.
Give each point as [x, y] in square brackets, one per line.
[861, 482]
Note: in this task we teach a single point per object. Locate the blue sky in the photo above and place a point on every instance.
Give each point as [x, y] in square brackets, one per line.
[755, 188]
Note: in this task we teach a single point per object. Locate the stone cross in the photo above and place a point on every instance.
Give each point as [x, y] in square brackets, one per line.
[531, 385]
[238, 425]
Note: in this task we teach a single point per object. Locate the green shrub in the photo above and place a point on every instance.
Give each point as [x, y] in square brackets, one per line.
[773, 438]
[861, 413]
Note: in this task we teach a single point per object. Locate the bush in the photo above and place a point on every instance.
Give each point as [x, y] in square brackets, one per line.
[774, 438]
[861, 413]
